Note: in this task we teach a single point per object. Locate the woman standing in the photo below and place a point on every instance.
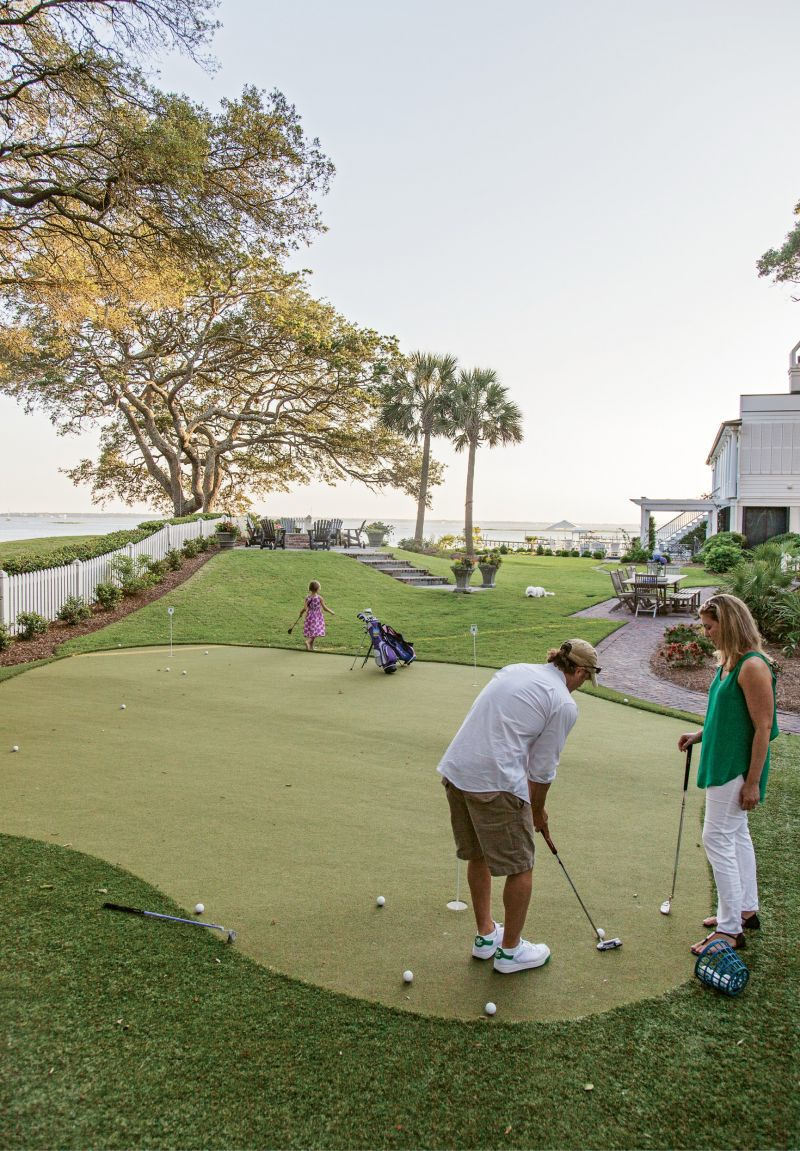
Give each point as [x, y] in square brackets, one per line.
[734, 762]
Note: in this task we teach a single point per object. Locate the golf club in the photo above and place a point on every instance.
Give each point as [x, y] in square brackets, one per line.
[296, 622]
[603, 944]
[666, 906]
[231, 935]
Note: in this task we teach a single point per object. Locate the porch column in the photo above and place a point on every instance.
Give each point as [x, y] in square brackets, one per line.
[644, 525]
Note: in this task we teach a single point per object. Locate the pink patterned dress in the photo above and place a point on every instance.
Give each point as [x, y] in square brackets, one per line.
[314, 623]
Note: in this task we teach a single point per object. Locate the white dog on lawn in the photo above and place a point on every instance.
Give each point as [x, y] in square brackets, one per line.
[537, 592]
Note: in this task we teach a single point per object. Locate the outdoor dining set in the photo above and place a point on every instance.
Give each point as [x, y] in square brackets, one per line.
[652, 592]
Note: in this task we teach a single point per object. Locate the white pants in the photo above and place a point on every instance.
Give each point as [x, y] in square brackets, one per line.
[726, 838]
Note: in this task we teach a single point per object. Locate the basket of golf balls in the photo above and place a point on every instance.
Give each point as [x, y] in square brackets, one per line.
[719, 966]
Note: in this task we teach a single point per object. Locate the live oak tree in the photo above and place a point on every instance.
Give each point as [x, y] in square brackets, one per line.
[246, 387]
[415, 402]
[105, 180]
[481, 414]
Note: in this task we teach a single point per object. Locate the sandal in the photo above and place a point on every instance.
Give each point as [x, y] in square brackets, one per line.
[736, 942]
[751, 923]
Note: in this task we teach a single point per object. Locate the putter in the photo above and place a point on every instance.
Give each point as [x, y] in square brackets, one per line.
[296, 622]
[231, 935]
[602, 944]
[666, 906]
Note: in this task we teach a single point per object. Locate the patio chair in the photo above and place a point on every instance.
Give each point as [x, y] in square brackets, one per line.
[253, 531]
[288, 523]
[272, 534]
[321, 534]
[647, 594]
[625, 598]
[336, 533]
[351, 537]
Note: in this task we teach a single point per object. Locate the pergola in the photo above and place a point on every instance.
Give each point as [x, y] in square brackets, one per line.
[648, 506]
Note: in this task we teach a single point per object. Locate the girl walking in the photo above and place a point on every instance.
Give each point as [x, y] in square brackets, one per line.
[313, 608]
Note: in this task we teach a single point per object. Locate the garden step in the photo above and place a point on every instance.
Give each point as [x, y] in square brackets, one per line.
[399, 569]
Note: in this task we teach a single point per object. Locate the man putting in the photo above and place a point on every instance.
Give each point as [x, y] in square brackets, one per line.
[497, 772]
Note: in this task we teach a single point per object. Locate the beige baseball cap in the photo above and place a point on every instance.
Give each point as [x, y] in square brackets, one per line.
[582, 654]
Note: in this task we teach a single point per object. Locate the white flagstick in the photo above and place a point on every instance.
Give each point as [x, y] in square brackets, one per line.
[170, 613]
[473, 631]
[457, 904]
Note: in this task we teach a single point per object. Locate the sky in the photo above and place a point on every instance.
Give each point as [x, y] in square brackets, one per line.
[572, 194]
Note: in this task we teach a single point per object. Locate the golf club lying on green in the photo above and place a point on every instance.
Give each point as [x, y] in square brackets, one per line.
[231, 935]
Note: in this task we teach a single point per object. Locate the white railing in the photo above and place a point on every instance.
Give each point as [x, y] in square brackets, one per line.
[46, 591]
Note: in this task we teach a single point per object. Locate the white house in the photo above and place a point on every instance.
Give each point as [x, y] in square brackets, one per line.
[756, 463]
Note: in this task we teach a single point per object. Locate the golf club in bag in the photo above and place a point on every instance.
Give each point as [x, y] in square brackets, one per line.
[388, 645]
[666, 906]
[603, 944]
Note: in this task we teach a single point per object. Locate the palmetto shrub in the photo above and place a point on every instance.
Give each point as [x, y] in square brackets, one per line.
[761, 583]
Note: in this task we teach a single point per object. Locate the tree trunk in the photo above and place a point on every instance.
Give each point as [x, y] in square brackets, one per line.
[423, 487]
[468, 540]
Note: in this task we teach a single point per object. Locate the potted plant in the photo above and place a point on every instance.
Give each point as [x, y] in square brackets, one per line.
[227, 533]
[462, 568]
[377, 533]
[488, 563]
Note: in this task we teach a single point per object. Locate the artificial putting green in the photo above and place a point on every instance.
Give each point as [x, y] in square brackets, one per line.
[286, 791]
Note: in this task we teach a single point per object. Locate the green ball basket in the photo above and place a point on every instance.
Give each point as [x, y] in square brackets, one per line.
[719, 966]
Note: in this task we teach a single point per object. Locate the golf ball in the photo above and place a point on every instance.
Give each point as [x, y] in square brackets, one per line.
[624, 701]
[601, 933]
[408, 977]
[122, 707]
[166, 669]
[184, 673]
[199, 908]
[380, 901]
[490, 1008]
[15, 747]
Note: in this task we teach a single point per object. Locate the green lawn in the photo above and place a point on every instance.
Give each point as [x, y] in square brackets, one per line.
[22, 549]
[116, 1038]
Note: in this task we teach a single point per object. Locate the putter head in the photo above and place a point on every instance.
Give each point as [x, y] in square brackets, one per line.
[231, 937]
[666, 907]
[609, 944]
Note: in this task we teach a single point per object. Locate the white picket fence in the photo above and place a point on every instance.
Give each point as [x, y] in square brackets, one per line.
[46, 591]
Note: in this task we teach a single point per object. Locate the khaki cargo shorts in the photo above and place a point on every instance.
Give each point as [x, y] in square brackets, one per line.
[494, 825]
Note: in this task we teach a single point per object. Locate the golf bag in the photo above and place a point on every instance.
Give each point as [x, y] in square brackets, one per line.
[388, 645]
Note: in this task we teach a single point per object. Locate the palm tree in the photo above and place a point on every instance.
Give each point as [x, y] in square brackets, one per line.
[414, 403]
[481, 413]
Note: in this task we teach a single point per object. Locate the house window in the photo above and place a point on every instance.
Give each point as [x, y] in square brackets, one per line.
[760, 524]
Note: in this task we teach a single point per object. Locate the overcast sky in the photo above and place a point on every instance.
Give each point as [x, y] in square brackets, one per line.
[573, 194]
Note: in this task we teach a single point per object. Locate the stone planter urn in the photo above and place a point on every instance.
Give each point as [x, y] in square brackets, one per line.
[376, 539]
[462, 579]
[488, 573]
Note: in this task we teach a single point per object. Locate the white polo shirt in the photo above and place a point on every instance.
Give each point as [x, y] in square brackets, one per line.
[514, 731]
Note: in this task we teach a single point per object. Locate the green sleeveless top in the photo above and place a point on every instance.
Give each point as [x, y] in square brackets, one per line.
[728, 730]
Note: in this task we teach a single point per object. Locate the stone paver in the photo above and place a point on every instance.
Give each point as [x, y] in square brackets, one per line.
[625, 659]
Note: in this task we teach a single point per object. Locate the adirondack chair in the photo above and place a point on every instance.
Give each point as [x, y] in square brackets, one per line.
[272, 534]
[625, 598]
[321, 534]
[352, 537]
[253, 531]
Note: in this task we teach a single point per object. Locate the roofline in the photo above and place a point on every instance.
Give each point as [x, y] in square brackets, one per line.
[722, 427]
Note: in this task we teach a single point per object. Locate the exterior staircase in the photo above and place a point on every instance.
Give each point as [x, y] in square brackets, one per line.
[399, 569]
[670, 535]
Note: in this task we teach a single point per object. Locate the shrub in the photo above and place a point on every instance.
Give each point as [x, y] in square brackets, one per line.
[190, 548]
[73, 610]
[174, 560]
[202, 544]
[157, 569]
[687, 633]
[30, 623]
[5, 638]
[573, 552]
[684, 654]
[548, 551]
[132, 575]
[599, 554]
[721, 558]
[107, 595]
[635, 554]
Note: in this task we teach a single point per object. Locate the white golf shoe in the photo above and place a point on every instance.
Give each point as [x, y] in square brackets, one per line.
[485, 946]
[524, 956]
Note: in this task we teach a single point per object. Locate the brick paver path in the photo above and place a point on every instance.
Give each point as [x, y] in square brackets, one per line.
[625, 659]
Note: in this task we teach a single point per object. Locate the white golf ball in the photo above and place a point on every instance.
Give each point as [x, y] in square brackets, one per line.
[199, 908]
[601, 933]
[122, 707]
[184, 673]
[205, 653]
[167, 669]
[408, 977]
[624, 701]
[490, 1008]
[15, 747]
[380, 901]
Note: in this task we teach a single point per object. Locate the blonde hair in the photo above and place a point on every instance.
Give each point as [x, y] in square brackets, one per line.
[314, 586]
[556, 656]
[738, 631]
